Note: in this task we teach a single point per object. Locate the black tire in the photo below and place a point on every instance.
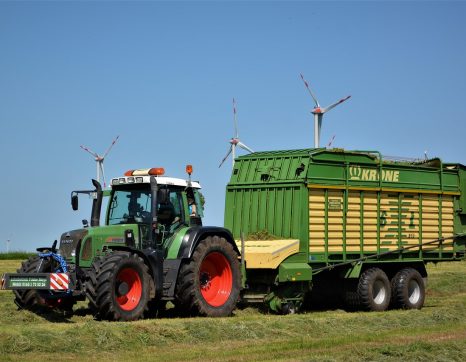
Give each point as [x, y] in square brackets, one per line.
[374, 290]
[197, 293]
[289, 308]
[28, 298]
[118, 287]
[408, 289]
[32, 299]
[91, 285]
[350, 295]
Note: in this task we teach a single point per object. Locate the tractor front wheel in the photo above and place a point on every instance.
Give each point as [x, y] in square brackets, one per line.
[209, 283]
[28, 298]
[118, 287]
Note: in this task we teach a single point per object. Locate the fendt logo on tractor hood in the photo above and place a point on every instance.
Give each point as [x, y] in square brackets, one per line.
[358, 173]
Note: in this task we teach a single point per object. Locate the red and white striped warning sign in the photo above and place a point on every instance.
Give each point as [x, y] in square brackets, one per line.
[59, 281]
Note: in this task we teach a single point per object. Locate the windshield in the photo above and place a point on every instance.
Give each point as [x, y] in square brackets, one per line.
[130, 206]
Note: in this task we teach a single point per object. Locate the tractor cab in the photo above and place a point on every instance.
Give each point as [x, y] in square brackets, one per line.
[148, 199]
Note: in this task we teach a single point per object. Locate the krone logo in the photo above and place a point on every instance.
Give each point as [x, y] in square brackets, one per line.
[355, 172]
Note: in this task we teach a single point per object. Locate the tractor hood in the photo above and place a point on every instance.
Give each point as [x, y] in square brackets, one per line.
[69, 242]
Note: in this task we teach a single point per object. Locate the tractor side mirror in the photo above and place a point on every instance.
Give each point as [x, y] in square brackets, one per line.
[74, 202]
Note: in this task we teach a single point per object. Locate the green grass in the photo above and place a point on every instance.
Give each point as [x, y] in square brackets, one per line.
[16, 255]
[437, 332]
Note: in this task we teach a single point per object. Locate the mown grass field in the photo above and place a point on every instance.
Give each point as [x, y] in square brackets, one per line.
[436, 333]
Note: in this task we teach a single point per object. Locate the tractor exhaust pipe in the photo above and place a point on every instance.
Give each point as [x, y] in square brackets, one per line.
[96, 204]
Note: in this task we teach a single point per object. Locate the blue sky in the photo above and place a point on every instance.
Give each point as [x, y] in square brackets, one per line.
[162, 75]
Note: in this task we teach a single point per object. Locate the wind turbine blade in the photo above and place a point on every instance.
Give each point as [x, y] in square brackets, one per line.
[244, 147]
[331, 141]
[234, 119]
[309, 90]
[326, 109]
[90, 151]
[108, 150]
[225, 158]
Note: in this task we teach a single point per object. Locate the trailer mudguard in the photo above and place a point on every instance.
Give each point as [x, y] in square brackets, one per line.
[354, 270]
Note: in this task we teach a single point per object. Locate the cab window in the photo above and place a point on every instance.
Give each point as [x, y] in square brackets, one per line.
[130, 206]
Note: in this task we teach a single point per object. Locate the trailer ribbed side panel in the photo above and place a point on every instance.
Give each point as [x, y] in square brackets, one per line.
[272, 209]
[362, 221]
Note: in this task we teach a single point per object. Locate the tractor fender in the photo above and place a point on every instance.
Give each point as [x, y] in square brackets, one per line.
[198, 233]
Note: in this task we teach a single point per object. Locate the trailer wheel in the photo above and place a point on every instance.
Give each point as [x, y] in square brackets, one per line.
[374, 290]
[35, 299]
[350, 294]
[209, 283]
[117, 287]
[289, 308]
[408, 290]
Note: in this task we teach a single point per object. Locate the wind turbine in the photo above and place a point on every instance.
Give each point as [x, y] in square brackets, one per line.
[318, 112]
[235, 141]
[100, 159]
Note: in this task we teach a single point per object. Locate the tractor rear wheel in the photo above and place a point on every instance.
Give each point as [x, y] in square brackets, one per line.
[118, 287]
[210, 282]
[374, 290]
[408, 290]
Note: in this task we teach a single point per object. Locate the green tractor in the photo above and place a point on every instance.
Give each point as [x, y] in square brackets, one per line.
[151, 249]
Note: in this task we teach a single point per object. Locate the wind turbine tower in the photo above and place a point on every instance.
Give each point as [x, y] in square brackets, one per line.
[319, 112]
[100, 160]
[234, 141]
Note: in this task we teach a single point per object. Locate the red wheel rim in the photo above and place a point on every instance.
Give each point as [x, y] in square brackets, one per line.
[130, 299]
[216, 279]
